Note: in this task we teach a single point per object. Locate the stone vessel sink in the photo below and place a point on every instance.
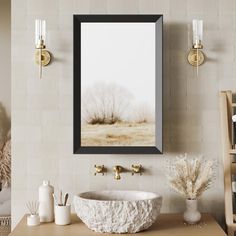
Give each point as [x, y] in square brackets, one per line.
[118, 211]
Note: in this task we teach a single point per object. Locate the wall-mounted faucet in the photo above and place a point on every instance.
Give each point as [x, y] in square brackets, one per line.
[135, 169]
[117, 170]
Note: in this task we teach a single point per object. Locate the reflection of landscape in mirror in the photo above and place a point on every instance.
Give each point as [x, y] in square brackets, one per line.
[118, 84]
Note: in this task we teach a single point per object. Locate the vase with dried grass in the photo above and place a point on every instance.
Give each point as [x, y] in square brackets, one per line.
[5, 179]
[5, 162]
[190, 178]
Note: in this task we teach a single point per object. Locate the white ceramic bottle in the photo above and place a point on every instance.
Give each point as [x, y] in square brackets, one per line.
[46, 203]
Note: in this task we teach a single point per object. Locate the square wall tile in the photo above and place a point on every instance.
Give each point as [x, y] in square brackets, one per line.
[98, 6]
[122, 6]
[43, 7]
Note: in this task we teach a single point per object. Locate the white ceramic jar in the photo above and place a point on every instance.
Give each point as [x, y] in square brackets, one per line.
[46, 203]
[33, 220]
[62, 214]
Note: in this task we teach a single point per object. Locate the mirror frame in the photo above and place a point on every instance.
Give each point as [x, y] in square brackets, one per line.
[77, 148]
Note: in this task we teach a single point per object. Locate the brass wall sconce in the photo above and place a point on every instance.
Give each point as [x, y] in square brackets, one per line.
[196, 57]
[42, 56]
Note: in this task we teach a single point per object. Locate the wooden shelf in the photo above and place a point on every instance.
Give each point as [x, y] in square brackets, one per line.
[233, 168]
[226, 111]
[166, 224]
[232, 151]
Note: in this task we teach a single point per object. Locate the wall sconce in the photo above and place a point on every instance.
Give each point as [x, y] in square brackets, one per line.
[42, 56]
[196, 57]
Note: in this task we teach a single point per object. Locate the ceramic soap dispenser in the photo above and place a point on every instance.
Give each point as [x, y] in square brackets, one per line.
[46, 203]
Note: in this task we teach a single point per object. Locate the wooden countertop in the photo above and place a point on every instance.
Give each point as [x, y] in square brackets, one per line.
[166, 225]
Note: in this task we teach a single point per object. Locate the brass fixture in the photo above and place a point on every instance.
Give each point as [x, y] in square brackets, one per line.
[117, 170]
[195, 56]
[45, 57]
[42, 56]
[136, 169]
[99, 169]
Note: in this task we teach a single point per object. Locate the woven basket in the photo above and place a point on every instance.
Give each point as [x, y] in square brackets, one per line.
[5, 225]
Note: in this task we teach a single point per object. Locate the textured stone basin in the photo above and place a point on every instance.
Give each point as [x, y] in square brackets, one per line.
[118, 211]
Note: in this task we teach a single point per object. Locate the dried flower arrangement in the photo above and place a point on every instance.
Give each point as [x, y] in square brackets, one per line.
[5, 161]
[190, 177]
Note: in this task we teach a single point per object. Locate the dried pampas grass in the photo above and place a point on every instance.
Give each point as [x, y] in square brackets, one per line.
[190, 177]
[5, 161]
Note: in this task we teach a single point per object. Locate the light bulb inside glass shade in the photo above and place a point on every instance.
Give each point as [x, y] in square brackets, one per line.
[40, 33]
[197, 32]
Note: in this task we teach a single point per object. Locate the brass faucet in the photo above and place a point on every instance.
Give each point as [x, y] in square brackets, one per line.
[117, 170]
[137, 169]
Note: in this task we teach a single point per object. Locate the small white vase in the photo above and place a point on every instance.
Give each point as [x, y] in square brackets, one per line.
[192, 215]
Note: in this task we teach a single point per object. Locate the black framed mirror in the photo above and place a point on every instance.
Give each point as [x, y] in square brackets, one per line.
[118, 84]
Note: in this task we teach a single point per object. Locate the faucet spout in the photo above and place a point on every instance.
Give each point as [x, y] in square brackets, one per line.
[117, 170]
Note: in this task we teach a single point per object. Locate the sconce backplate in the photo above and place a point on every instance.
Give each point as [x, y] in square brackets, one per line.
[196, 57]
[45, 57]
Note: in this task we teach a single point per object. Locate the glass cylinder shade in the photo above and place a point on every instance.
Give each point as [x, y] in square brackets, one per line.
[197, 32]
[40, 33]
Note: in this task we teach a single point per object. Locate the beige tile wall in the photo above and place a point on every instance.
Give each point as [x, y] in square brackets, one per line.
[42, 109]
